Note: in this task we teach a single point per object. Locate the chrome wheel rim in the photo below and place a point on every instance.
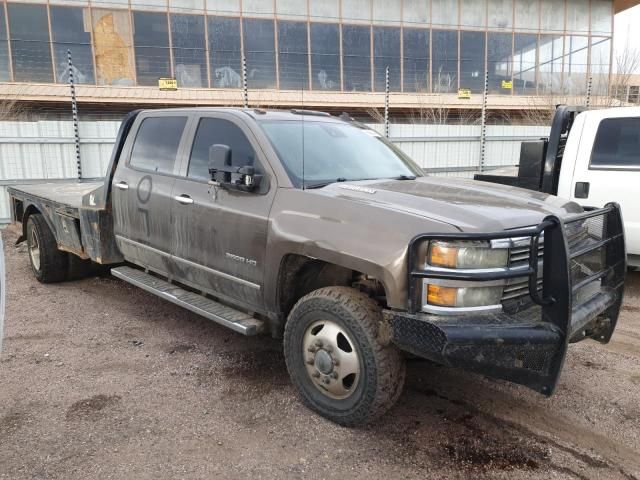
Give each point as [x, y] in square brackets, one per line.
[34, 249]
[331, 359]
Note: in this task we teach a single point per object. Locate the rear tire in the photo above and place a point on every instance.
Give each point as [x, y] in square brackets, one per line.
[335, 360]
[49, 264]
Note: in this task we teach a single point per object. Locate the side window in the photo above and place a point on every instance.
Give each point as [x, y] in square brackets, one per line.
[213, 131]
[156, 144]
[617, 143]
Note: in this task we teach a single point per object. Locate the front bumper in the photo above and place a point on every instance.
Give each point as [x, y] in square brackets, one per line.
[582, 292]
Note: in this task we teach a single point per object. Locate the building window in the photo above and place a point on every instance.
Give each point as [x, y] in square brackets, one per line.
[575, 65]
[356, 58]
[552, 16]
[225, 52]
[601, 16]
[113, 47]
[472, 60]
[525, 55]
[416, 59]
[473, 13]
[444, 73]
[386, 52]
[293, 56]
[5, 72]
[260, 52]
[151, 40]
[189, 47]
[577, 16]
[68, 32]
[551, 52]
[527, 15]
[500, 62]
[600, 62]
[30, 47]
[325, 56]
[500, 14]
[415, 12]
[444, 13]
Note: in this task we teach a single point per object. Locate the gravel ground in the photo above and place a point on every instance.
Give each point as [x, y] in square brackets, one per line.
[99, 379]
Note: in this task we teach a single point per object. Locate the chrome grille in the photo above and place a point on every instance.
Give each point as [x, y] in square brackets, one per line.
[518, 288]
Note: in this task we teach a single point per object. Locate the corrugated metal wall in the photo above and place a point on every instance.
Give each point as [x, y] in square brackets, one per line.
[44, 150]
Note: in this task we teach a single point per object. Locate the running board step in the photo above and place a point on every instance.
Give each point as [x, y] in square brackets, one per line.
[219, 313]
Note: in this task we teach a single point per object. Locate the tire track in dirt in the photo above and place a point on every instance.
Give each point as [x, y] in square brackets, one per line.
[553, 431]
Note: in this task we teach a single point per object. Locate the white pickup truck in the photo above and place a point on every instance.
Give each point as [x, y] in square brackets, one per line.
[591, 157]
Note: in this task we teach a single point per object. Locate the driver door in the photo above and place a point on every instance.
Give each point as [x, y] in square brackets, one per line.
[220, 236]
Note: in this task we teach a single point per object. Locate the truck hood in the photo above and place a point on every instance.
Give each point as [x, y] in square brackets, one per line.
[468, 205]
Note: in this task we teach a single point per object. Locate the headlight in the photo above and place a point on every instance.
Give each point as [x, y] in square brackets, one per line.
[460, 297]
[463, 255]
[466, 255]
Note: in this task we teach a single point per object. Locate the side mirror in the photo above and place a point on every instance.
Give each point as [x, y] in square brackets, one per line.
[219, 158]
[227, 176]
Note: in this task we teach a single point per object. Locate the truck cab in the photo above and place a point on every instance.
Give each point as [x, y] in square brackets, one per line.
[590, 157]
[601, 163]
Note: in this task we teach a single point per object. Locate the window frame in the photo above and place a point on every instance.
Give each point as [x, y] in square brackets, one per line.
[618, 168]
[189, 139]
[181, 145]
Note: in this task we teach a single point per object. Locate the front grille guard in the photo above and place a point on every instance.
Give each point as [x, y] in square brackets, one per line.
[558, 286]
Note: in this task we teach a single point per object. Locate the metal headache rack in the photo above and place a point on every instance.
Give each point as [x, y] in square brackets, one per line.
[570, 273]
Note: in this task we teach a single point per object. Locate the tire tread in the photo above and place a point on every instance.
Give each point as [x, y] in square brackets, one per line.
[390, 366]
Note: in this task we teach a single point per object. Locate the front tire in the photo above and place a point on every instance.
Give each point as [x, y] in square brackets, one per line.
[335, 360]
[49, 264]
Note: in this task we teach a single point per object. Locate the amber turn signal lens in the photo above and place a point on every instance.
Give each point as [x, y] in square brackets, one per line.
[443, 296]
[441, 255]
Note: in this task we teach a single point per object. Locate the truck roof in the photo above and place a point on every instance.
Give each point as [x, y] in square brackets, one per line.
[613, 112]
[258, 113]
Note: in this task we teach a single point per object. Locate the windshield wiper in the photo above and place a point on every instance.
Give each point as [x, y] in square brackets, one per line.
[404, 177]
[324, 184]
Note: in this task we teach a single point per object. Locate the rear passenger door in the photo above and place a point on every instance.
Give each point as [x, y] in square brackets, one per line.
[142, 191]
[220, 236]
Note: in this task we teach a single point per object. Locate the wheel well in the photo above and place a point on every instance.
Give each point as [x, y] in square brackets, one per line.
[31, 209]
[300, 275]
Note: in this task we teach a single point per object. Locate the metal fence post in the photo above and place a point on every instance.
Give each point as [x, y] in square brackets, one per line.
[245, 90]
[74, 110]
[2, 291]
[386, 102]
[483, 122]
[589, 87]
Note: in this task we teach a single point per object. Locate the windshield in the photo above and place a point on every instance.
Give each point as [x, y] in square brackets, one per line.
[335, 152]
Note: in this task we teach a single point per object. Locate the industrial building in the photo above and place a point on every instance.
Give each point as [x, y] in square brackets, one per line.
[329, 54]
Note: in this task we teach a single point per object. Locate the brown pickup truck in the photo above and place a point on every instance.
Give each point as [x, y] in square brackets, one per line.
[316, 229]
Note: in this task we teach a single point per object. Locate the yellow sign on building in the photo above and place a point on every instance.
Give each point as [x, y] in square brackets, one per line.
[167, 84]
[464, 94]
[507, 85]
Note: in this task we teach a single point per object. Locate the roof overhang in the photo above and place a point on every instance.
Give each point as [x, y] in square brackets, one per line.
[128, 97]
[622, 5]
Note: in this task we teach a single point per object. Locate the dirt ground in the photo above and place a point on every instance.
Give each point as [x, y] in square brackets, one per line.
[99, 379]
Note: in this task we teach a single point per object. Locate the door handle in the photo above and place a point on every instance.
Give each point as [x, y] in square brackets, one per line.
[122, 185]
[581, 190]
[184, 199]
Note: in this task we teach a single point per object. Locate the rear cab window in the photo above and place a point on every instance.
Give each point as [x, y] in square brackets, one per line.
[156, 145]
[617, 144]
